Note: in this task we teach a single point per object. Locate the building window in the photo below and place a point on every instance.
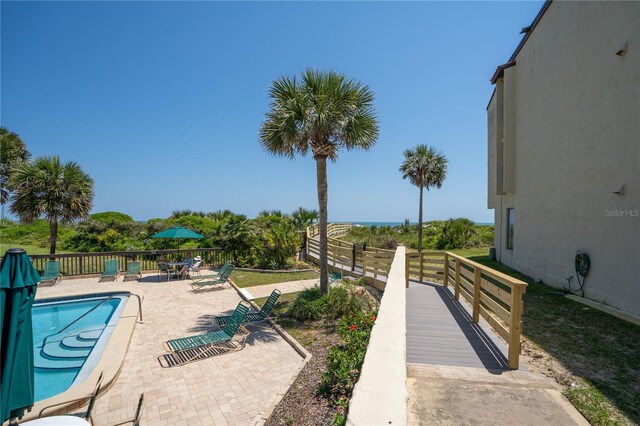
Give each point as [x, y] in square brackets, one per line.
[510, 220]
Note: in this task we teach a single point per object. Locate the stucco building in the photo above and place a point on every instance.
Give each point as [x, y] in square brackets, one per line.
[564, 150]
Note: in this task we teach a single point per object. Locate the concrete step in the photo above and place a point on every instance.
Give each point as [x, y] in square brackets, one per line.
[43, 361]
[56, 350]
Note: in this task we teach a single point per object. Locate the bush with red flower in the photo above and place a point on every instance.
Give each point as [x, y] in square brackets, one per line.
[345, 361]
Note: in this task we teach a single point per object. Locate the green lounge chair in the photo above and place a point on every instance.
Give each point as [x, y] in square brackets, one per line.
[133, 270]
[222, 270]
[51, 271]
[111, 269]
[212, 281]
[255, 316]
[193, 348]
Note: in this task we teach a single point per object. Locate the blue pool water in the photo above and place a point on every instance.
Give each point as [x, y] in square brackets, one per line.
[63, 358]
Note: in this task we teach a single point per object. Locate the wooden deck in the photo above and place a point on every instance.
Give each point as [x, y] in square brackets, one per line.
[440, 332]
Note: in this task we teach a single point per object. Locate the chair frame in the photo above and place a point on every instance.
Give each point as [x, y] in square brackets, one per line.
[259, 316]
[136, 418]
[212, 281]
[169, 270]
[114, 276]
[92, 399]
[55, 280]
[233, 343]
[128, 273]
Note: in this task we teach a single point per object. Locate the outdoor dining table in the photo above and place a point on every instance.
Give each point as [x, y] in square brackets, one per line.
[177, 265]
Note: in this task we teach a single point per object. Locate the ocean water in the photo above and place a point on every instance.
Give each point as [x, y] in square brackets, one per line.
[400, 223]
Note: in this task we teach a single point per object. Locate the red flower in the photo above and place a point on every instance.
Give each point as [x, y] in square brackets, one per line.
[353, 327]
[373, 318]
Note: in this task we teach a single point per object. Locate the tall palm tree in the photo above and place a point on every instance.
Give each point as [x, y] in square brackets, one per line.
[13, 152]
[47, 188]
[321, 112]
[425, 167]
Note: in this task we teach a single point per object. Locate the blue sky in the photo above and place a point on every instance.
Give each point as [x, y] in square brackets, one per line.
[161, 102]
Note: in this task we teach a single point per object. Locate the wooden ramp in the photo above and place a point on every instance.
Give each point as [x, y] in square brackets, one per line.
[440, 332]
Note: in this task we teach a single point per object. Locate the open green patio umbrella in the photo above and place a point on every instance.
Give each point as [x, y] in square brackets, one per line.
[18, 283]
[177, 232]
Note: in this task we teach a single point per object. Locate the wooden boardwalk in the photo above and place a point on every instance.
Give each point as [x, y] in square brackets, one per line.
[440, 332]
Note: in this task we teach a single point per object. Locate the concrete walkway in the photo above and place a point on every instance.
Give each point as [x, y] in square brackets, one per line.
[457, 371]
[447, 395]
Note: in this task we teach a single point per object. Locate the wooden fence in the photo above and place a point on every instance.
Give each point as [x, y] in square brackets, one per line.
[377, 262]
[495, 296]
[426, 265]
[93, 263]
[369, 261]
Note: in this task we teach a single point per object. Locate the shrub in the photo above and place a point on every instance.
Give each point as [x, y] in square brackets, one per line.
[345, 361]
[344, 300]
[310, 305]
[456, 233]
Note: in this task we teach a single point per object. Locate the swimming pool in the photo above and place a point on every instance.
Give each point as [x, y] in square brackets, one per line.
[69, 337]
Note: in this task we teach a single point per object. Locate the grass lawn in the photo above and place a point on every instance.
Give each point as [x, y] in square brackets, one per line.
[595, 356]
[250, 279]
[31, 249]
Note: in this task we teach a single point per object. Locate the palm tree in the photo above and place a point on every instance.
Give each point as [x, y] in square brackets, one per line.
[302, 218]
[13, 152]
[425, 167]
[47, 188]
[321, 112]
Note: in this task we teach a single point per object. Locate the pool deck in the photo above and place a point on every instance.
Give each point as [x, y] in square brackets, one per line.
[232, 389]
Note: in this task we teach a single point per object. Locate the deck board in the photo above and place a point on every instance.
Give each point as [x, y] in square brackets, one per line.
[440, 332]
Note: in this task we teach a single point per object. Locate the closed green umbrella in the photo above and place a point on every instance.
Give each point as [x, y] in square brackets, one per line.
[18, 283]
[177, 232]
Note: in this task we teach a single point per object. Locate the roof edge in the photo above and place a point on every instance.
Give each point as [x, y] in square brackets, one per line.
[500, 71]
[512, 60]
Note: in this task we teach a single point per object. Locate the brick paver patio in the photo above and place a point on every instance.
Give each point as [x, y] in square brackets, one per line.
[231, 389]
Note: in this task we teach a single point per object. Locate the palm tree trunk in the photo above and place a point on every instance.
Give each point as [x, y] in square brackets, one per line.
[53, 234]
[321, 172]
[420, 223]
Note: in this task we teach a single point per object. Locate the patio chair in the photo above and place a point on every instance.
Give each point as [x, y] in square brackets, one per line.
[136, 418]
[212, 281]
[83, 414]
[224, 267]
[111, 269]
[255, 316]
[133, 270]
[195, 268]
[193, 348]
[51, 271]
[165, 268]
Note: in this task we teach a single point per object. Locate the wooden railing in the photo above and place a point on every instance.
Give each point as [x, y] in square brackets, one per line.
[377, 262]
[426, 264]
[495, 296]
[333, 229]
[368, 261]
[93, 263]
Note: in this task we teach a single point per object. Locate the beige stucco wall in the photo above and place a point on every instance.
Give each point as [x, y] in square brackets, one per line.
[577, 109]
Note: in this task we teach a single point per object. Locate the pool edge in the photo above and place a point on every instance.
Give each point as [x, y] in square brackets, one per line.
[110, 363]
